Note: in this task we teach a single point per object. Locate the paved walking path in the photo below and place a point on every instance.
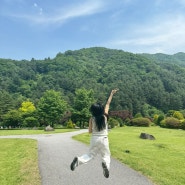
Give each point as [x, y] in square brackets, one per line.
[56, 152]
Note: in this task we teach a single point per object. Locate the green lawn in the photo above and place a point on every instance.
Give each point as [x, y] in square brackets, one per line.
[162, 160]
[19, 158]
[30, 132]
[19, 162]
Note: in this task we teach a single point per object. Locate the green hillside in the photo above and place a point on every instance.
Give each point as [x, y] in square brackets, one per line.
[154, 80]
[178, 58]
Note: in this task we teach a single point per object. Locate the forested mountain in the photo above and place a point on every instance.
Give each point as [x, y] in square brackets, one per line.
[178, 58]
[153, 80]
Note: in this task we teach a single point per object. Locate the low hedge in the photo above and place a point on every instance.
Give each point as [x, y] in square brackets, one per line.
[142, 122]
[171, 122]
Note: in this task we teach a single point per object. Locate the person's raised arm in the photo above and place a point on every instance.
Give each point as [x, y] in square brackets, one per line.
[106, 110]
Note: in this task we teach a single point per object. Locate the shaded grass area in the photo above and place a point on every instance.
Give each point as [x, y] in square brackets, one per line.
[30, 132]
[19, 162]
[162, 160]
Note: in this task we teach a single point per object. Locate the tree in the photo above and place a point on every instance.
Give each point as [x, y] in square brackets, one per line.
[27, 111]
[83, 100]
[30, 122]
[12, 119]
[6, 102]
[27, 106]
[150, 111]
[157, 80]
[51, 107]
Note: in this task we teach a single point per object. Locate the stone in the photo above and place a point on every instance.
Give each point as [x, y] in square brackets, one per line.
[147, 136]
[49, 128]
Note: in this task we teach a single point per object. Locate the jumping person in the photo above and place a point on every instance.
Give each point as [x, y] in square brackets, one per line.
[99, 140]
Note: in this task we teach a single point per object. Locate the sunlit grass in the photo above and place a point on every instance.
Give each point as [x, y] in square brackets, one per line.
[19, 162]
[19, 157]
[162, 160]
[30, 132]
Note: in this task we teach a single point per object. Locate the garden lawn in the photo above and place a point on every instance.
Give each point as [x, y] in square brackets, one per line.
[162, 160]
[30, 132]
[19, 162]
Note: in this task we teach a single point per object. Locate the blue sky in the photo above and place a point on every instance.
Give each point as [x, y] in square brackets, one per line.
[42, 28]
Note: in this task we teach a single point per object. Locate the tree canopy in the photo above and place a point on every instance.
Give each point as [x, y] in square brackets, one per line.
[82, 103]
[51, 107]
[154, 80]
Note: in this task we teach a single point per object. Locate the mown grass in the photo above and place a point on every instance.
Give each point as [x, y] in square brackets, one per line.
[19, 162]
[162, 160]
[19, 157]
[30, 132]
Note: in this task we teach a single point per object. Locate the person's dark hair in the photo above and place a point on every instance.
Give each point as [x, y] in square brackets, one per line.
[97, 111]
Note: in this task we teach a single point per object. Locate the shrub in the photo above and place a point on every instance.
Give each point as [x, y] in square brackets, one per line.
[30, 122]
[127, 122]
[183, 112]
[170, 113]
[178, 115]
[113, 122]
[159, 119]
[171, 122]
[182, 124]
[58, 126]
[155, 118]
[138, 115]
[163, 123]
[145, 122]
[120, 122]
[117, 121]
[70, 124]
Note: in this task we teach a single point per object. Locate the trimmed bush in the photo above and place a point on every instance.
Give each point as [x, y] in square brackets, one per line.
[171, 122]
[141, 122]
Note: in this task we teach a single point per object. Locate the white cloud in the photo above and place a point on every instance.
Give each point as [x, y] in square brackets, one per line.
[40, 11]
[63, 14]
[35, 5]
[77, 11]
[165, 35]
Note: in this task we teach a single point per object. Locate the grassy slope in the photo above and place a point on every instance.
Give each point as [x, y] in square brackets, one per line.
[162, 160]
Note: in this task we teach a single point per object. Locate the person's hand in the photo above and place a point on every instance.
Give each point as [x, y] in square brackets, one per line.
[114, 91]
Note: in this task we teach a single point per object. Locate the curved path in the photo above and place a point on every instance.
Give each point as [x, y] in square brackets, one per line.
[56, 152]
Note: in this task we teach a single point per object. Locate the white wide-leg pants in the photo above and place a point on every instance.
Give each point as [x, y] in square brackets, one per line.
[98, 145]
